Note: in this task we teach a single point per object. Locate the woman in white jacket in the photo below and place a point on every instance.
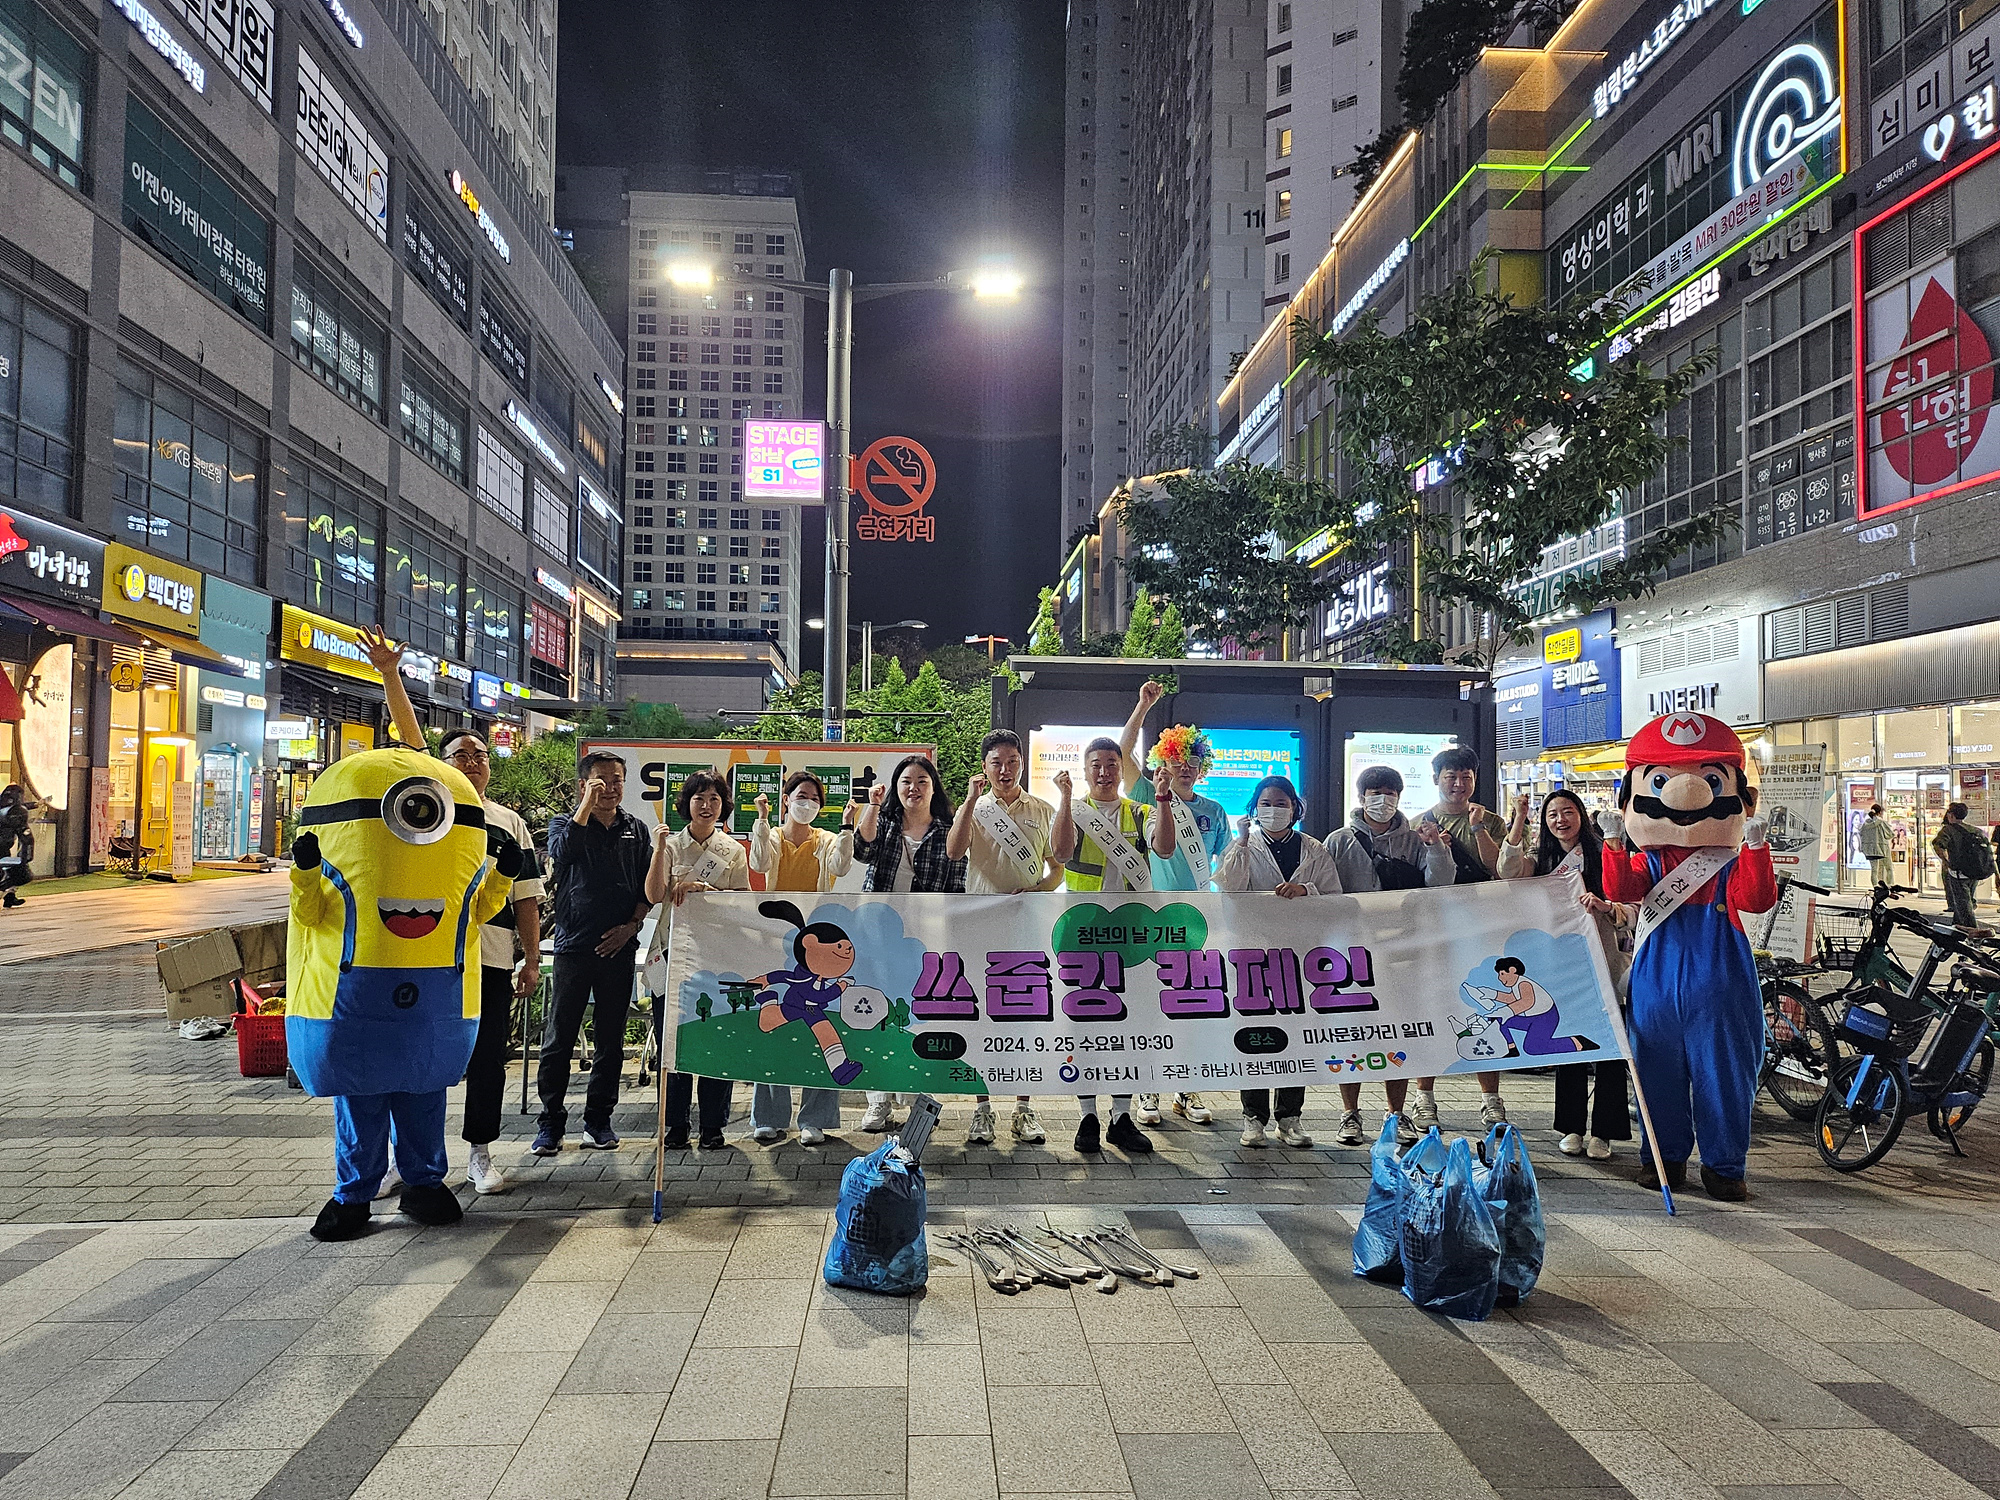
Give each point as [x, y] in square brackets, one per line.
[1271, 853]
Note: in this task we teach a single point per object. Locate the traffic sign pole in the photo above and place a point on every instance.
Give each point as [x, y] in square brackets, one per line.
[839, 367]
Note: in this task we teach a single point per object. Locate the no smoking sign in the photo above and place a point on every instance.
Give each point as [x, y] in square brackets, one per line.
[896, 476]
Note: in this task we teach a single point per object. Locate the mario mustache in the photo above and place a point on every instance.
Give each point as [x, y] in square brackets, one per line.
[1721, 809]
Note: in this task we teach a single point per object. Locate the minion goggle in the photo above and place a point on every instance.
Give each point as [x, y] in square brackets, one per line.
[417, 810]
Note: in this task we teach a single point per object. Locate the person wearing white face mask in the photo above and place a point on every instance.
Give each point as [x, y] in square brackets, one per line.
[798, 857]
[1272, 854]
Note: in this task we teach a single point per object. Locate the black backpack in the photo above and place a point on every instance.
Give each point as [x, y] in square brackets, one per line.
[1391, 874]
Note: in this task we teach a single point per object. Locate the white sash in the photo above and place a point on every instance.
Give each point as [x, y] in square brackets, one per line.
[1132, 865]
[1187, 838]
[709, 866]
[1572, 862]
[1006, 834]
[1679, 883]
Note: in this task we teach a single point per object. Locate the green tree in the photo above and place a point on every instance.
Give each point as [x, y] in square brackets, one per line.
[1536, 447]
[538, 780]
[1045, 635]
[1140, 631]
[1170, 636]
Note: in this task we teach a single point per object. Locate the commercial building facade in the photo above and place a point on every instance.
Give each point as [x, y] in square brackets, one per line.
[427, 442]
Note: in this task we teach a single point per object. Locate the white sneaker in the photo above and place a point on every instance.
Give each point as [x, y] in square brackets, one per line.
[811, 1135]
[876, 1119]
[1571, 1144]
[1253, 1134]
[1492, 1110]
[1193, 1109]
[1597, 1148]
[1351, 1133]
[765, 1133]
[1147, 1109]
[1407, 1133]
[392, 1184]
[980, 1131]
[1028, 1126]
[1422, 1113]
[483, 1175]
[1290, 1134]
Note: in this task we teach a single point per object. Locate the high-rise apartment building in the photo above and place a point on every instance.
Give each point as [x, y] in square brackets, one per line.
[504, 51]
[712, 578]
[1330, 87]
[1097, 440]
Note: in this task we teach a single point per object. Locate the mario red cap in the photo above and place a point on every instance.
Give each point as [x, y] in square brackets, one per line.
[1684, 739]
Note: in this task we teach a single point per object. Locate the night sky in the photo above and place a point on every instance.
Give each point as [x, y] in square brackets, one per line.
[924, 136]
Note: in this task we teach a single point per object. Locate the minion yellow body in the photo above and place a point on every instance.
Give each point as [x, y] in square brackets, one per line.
[379, 997]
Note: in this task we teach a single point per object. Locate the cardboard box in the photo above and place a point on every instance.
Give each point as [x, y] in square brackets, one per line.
[261, 948]
[212, 997]
[184, 965]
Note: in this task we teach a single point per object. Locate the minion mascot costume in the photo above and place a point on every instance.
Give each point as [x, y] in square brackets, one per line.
[1697, 1012]
[392, 874]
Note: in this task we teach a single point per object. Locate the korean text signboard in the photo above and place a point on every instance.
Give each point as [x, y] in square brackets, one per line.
[1580, 686]
[183, 208]
[1058, 993]
[784, 461]
[40, 557]
[151, 589]
[333, 138]
[896, 477]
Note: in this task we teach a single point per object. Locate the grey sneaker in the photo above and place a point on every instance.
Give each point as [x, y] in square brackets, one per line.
[1193, 1108]
[1146, 1109]
[1290, 1134]
[1407, 1134]
[980, 1131]
[1028, 1125]
[1493, 1111]
[1422, 1112]
[1351, 1133]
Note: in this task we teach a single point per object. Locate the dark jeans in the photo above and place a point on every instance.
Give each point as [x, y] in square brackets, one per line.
[1257, 1104]
[1609, 1117]
[1958, 891]
[486, 1074]
[580, 979]
[714, 1096]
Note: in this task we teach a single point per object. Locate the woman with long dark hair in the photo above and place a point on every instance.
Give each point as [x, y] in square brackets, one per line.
[1568, 838]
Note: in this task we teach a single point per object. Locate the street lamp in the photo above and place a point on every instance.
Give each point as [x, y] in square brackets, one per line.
[867, 629]
[991, 281]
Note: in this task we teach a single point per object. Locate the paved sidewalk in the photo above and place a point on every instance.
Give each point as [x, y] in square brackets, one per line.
[1741, 1354]
[50, 928]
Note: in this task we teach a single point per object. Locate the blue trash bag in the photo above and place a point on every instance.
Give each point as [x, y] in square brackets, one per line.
[1451, 1246]
[1507, 1181]
[878, 1237]
[1377, 1251]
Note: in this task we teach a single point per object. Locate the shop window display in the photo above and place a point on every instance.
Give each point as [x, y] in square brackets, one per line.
[190, 477]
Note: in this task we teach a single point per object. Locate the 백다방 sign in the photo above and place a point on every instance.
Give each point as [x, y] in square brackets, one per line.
[1059, 993]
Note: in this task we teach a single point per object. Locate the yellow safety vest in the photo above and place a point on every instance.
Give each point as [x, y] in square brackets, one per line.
[1081, 874]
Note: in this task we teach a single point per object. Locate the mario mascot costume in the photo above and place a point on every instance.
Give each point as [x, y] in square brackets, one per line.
[1697, 1011]
[392, 875]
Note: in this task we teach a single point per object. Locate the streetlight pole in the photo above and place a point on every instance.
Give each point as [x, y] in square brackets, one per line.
[839, 370]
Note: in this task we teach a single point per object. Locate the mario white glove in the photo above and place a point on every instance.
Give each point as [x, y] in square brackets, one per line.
[1612, 825]
[1755, 831]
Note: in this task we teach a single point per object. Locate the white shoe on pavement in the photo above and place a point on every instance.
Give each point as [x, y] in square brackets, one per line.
[765, 1133]
[876, 1119]
[980, 1132]
[1146, 1109]
[1290, 1134]
[1351, 1133]
[1028, 1126]
[392, 1184]
[1492, 1110]
[1422, 1113]
[1253, 1134]
[1193, 1109]
[1407, 1133]
[1571, 1144]
[1597, 1148]
[811, 1135]
[483, 1175]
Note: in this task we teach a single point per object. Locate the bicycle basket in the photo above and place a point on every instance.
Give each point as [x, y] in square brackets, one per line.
[1843, 931]
[1948, 1046]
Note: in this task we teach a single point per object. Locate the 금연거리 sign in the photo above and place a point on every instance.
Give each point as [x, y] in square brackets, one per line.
[1141, 992]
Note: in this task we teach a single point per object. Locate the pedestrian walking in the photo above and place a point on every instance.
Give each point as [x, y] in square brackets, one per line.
[1568, 839]
[597, 864]
[502, 976]
[1877, 840]
[701, 857]
[1272, 853]
[1182, 755]
[1001, 831]
[796, 856]
[1968, 859]
[902, 835]
[17, 844]
[1476, 833]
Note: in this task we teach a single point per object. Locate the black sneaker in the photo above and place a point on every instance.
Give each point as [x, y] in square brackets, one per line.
[1128, 1137]
[340, 1221]
[605, 1139]
[548, 1141]
[1086, 1135]
[677, 1139]
[711, 1140]
[1650, 1178]
[436, 1204]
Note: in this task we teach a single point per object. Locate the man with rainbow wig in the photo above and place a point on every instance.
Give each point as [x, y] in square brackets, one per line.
[1183, 755]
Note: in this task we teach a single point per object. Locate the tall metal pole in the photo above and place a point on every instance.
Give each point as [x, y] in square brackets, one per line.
[867, 655]
[839, 367]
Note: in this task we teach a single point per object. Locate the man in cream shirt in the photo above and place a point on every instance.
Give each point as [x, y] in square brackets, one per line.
[1004, 829]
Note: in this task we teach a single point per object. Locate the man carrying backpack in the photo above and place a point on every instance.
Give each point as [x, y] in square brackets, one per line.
[1968, 859]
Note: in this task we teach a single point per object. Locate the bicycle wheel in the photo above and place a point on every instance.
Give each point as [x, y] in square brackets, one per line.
[1856, 1135]
[1967, 1089]
[1799, 1048]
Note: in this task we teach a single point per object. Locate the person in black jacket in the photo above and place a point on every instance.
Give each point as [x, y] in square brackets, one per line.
[16, 843]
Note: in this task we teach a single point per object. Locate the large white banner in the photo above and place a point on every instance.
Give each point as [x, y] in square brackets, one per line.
[1792, 789]
[1059, 994]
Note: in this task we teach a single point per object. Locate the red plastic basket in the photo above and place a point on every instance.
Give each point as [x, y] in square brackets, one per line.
[260, 1043]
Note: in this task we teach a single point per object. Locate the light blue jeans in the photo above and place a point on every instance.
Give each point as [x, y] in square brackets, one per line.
[771, 1106]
